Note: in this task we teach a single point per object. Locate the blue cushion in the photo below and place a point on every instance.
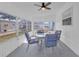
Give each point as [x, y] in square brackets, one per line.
[50, 40]
[51, 37]
[51, 43]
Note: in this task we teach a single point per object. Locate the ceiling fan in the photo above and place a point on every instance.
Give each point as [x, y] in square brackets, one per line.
[44, 6]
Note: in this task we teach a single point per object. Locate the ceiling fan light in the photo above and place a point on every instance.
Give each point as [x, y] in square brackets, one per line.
[43, 8]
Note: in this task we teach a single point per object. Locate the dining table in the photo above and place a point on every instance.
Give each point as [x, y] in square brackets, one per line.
[41, 37]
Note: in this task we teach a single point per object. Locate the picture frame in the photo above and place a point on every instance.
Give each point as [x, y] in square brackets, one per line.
[67, 16]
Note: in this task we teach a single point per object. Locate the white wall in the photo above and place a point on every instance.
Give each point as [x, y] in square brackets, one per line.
[70, 34]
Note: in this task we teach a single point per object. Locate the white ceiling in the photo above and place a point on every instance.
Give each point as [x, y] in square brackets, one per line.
[28, 11]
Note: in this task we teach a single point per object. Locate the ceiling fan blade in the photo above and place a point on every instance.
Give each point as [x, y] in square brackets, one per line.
[47, 8]
[37, 5]
[48, 3]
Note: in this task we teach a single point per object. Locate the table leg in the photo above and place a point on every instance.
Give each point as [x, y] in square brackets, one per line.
[41, 42]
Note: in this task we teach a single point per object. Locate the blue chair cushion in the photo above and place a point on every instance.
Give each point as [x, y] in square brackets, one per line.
[51, 43]
[50, 40]
[51, 37]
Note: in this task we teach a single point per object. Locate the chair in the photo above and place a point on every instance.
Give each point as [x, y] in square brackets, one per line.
[58, 33]
[50, 40]
[31, 40]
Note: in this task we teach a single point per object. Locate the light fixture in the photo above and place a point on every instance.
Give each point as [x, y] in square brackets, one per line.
[43, 8]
